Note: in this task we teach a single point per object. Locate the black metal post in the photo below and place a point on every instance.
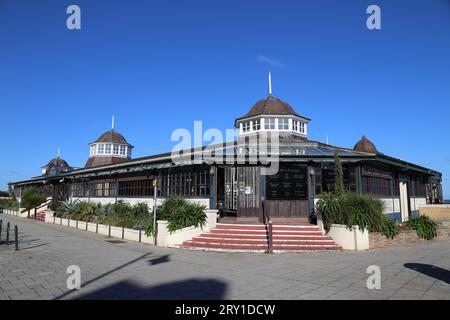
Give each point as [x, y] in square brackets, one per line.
[270, 237]
[1, 224]
[123, 232]
[96, 228]
[109, 231]
[140, 233]
[7, 233]
[16, 237]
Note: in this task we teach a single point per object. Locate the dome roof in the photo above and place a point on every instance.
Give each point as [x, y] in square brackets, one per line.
[365, 145]
[57, 162]
[271, 106]
[112, 136]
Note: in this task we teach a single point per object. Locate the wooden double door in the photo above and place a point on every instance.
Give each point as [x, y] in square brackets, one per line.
[285, 193]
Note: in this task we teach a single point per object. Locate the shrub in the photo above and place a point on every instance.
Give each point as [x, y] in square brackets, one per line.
[389, 228]
[424, 227]
[123, 214]
[330, 209]
[32, 198]
[351, 209]
[190, 215]
[339, 175]
[9, 204]
[179, 213]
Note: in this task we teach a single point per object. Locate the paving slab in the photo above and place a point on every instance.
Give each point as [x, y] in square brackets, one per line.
[133, 270]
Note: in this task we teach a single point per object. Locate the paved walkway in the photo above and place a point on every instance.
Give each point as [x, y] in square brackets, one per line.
[132, 270]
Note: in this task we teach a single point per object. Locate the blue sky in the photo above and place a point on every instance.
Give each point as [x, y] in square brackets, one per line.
[160, 65]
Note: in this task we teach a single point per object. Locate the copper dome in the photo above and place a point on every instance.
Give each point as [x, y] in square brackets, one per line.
[365, 145]
[271, 106]
[113, 137]
[57, 162]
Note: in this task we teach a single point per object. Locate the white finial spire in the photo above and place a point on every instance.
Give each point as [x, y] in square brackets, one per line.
[112, 125]
[59, 152]
[270, 84]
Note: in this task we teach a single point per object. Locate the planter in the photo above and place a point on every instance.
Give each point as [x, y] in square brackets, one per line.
[116, 232]
[91, 227]
[353, 239]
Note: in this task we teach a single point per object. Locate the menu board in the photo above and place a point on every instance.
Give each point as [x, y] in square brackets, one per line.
[290, 183]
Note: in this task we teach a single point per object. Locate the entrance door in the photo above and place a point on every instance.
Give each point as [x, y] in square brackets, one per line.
[231, 189]
[287, 192]
[404, 203]
[248, 193]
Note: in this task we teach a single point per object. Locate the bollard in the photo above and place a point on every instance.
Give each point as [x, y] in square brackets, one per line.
[16, 237]
[7, 233]
[140, 232]
[96, 228]
[1, 223]
[123, 232]
[109, 231]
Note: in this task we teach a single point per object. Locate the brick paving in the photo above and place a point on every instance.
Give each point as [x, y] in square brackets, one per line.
[129, 270]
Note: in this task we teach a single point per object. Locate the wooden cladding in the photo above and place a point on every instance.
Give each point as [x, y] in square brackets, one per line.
[286, 208]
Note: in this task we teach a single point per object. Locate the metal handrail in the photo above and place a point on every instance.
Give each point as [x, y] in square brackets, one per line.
[269, 227]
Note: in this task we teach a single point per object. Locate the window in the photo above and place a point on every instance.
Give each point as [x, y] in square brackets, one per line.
[246, 126]
[135, 188]
[79, 190]
[269, 123]
[376, 181]
[101, 149]
[256, 124]
[283, 124]
[302, 127]
[107, 149]
[187, 181]
[102, 189]
[122, 150]
[295, 125]
[93, 149]
[115, 149]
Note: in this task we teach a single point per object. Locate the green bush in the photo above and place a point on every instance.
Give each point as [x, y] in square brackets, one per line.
[329, 207]
[32, 198]
[180, 214]
[10, 204]
[424, 227]
[389, 228]
[351, 209]
[176, 210]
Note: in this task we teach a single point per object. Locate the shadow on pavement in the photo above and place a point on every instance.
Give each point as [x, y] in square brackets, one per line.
[159, 260]
[209, 289]
[105, 274]
[430, 270]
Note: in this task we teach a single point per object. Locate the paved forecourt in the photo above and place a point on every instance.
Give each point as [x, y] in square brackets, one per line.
[128, 270]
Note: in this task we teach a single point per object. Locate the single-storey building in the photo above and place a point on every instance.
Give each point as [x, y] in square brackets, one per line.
[242, 188]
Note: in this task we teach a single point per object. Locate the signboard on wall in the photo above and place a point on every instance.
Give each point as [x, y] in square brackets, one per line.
[290, 183]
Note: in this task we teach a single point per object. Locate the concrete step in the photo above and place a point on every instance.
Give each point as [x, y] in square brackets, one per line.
[254, 238]
[264, 236]
[262, 242]
[263, 232]
[262, 248]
